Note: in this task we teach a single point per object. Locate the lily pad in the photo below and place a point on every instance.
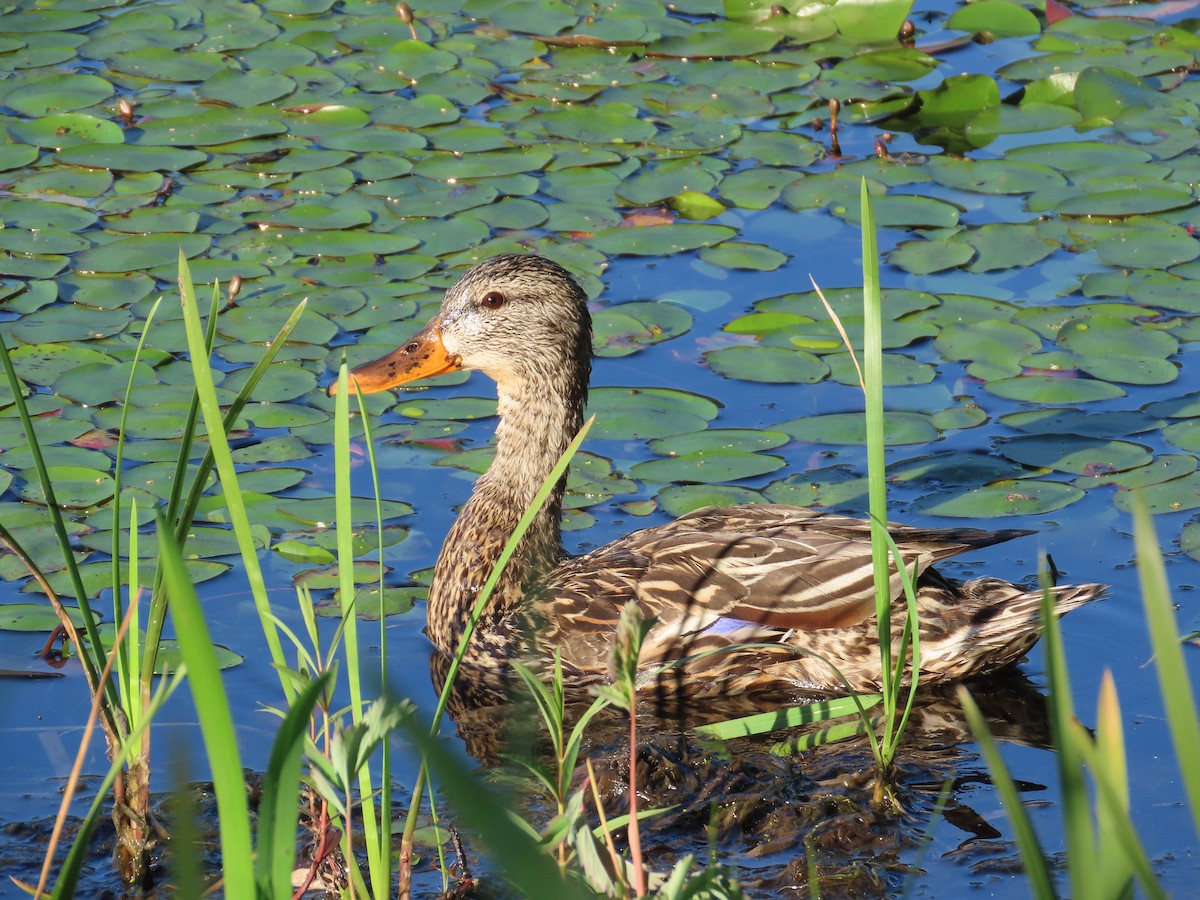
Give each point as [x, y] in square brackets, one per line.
[643, 413]
[1002, 498]
[659, 240]
[707, 467]
[1054, 389]
[1176, 495]
[34, 617]
[773, 365]
[850, 428]
[680, 499]
[1076, 454]
[75, 487]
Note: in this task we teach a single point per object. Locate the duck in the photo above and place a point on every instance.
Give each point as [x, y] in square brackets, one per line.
[761, 600]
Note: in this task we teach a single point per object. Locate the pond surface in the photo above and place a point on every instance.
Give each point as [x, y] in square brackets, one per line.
[1037, 198]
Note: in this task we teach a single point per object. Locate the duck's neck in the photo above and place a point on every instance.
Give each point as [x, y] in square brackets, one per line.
[538, 420]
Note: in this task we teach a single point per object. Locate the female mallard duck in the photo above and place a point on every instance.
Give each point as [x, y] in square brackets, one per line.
[794, 584]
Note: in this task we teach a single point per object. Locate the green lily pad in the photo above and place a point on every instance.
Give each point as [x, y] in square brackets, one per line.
[34, 617]
[625, 329]
[680, 499]
[1002, 498]
[643, 413]
[773, 365]
[660, 240]
[1005, 245]
[833, 487]
[1000, 18]
[1075, 421]
[900, 211]
[452, 408]
[1166, 467]
[210, 126]
[1076, 454]
[1124, 203]
[612, 123]
[953, 469]
[67, 130]
[141, 252]
[131, 158]
[75, 487]
[994, 176]
[1176, 495]
[719, 39]
[923, 257]
[56, 324]
[850, 428]
[1053, 389]
[996, 343]
[742, 255]
[713, 439]
[55, 94]
[756, 188]
[707, 467]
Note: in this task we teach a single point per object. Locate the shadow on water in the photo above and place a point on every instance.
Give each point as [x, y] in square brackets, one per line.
[776, 816]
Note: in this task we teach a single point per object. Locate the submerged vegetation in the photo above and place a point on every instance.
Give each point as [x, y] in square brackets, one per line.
[334, 164]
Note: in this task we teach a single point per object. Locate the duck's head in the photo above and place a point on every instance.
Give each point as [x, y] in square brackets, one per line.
[518, 319]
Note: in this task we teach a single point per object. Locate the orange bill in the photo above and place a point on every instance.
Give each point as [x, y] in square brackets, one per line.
[420, 357]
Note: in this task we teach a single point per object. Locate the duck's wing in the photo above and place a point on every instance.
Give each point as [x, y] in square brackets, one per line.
[775, 566]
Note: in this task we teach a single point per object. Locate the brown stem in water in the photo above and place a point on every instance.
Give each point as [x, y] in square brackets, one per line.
[635, 832]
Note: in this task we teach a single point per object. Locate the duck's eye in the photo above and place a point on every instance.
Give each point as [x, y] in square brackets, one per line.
[493, 300]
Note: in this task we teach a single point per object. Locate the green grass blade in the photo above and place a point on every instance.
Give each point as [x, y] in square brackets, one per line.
[525, 863]
[128, 665]
[223, 459]
[216, 720]
[1076, 804]
[92, 656]
[872, 356]
[278, 812]
[373, 832]
[1172, 669]
[840, 732]
[794, 716]
[381, 849]
[1113, 813]
[1041, 885]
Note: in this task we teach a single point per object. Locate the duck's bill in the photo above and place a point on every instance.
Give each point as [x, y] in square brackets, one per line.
[424, 355]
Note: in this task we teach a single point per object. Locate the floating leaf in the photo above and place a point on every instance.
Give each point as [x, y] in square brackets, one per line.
[680, 499]
[661, 240]
[774, 365]
[1176, 495]
[707, 467]
[642, 413]
[1000, 18]
[921, 257]
[741, 255]
[34, 617]
[67, 130]
[624, 329]
[1053, 389]
[130, 158]
[849, 428]
[75, 487]
[1076, 454]
[1001, 498]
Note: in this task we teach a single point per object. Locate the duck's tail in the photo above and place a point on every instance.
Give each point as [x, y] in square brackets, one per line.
[991, 627]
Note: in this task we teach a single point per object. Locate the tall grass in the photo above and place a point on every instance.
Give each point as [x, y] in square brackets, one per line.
[1105, 853]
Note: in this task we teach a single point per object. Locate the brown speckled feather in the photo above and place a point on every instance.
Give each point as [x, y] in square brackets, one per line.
[796, 583]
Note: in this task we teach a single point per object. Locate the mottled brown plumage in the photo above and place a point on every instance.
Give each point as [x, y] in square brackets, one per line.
[794, 582]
